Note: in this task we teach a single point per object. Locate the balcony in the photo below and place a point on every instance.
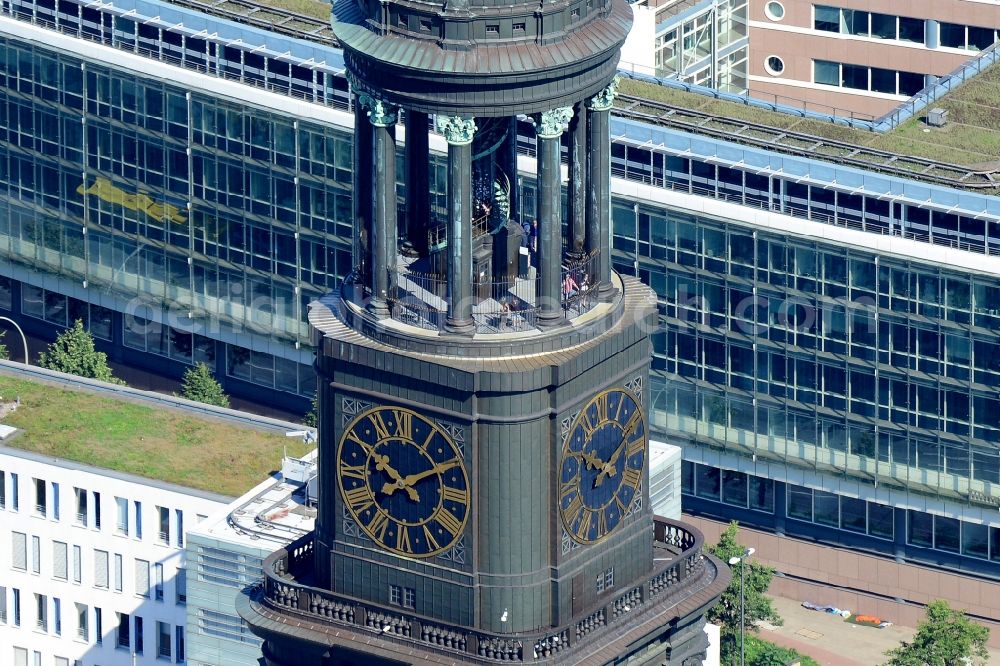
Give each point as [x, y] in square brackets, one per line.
[684, 580]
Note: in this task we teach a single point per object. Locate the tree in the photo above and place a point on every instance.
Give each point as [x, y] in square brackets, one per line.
[758, 608]
[945, 637]
[4, 354]
[200, 385]
[73, 352]
[311, 419]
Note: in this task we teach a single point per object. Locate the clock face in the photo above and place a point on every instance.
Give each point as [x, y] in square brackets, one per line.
[602, 465]
[404, 481]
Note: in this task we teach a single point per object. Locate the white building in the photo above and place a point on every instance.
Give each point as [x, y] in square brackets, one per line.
[92, 564]
[225, 553]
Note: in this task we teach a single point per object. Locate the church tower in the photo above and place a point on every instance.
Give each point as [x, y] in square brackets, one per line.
[483, 379]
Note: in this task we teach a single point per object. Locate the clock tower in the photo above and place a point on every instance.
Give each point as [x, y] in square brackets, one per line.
[483, 373]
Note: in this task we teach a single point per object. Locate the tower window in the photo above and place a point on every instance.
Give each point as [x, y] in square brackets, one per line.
[493, 30]
[425, 25]
[402, 596]
[518, 28]
[606, 580]
[574, 14]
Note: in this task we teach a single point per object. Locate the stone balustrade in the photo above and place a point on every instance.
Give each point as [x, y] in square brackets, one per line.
[683, 575]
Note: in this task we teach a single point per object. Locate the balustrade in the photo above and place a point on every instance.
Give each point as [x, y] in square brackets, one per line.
[281, 592]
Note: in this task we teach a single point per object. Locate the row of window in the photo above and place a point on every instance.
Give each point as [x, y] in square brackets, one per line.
[129, 631]
[62, 310]
[727, 486]
[862, 77]
[148, 578]
[799, 435]
[819, 202]
[886, 26]
[206, 53]
[848, 513]
[868, 24]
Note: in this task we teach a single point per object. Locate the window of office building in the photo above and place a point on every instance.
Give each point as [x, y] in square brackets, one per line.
[861, 77]
[868, 24]
[63, 311]
[149, 336]
[268, 370]
[967, 37]
[727, 486]
[839, 511]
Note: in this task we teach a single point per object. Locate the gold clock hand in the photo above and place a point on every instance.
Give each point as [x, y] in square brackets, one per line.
[382, 465]
[609, 468]
[410, 479]
[592, 460]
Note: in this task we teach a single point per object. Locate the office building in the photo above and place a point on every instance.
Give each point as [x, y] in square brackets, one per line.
[94, 569]
[865, 386]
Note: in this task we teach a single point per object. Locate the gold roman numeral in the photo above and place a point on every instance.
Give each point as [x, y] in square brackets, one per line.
[404, 424]
[566, 489]
[618, 409]
[378, 526]
[427, 442]
[454, 495]
[584, 527]
[601, 408]
[632, 477]
[572, 512]
[359, 499]
[431, 541]
[602, 523]
[403, 540]
[635, 446]
[448, 521]
[381, 430]
[359, 472]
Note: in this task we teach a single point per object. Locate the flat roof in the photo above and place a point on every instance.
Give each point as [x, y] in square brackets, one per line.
[169, 444]
[274, 513]
[970, 139]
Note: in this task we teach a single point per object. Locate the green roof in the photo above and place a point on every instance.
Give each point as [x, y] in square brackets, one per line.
[970, 138]
[161, 443]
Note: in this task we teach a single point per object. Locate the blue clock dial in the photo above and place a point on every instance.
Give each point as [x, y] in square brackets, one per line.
[602, 465]
[403, 480]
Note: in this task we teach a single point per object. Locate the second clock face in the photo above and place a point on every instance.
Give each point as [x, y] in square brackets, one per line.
[602, 465]
[403, 481]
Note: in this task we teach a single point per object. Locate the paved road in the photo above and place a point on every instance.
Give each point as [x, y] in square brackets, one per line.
[832, 642]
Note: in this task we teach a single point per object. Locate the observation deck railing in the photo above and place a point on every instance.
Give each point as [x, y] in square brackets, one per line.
[504, 306]
[680, 571]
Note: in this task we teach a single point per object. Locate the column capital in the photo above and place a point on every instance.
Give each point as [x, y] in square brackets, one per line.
[604, 100]
[456, 130]
[551, 124]
[381, 114]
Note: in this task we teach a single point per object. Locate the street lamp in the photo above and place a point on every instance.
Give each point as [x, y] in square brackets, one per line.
[24, 340]
[740, 561]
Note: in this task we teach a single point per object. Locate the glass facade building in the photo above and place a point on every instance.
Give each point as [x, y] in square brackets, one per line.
[799, 370]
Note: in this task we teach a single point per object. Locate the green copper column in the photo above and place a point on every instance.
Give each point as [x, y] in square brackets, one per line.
[383, 117]
[599, 191]
[362, 191]
[578, 183]
[458, 132]
[549, 127]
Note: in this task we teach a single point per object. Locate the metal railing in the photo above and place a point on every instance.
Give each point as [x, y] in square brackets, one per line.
[500, 306]
[942, 86]
[942, 240]
[683, 575]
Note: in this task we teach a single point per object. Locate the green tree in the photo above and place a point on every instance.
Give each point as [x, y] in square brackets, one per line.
[945, 637]
[73, 352]
[311, 419]
[200, 385]
[4, 353]
[758, 608]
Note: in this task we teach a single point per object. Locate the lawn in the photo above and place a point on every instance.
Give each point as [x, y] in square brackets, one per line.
[157, 443]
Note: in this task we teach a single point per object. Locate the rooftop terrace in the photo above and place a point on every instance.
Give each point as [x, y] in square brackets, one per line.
[166, 444]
